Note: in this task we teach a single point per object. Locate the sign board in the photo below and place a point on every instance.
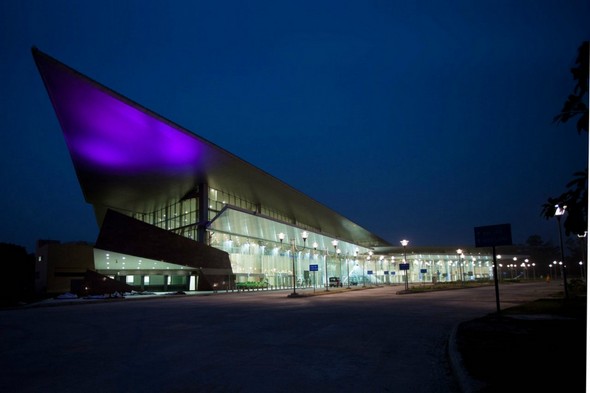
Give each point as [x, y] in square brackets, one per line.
[493, 235]
[423, 271]
[404, 266]
[386, 272]
[369, 272]
[313, 268]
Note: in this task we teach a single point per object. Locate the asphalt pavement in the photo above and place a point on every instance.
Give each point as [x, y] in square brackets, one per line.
[370, 340]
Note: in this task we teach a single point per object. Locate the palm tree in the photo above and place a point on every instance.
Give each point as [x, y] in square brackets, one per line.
[576, 195]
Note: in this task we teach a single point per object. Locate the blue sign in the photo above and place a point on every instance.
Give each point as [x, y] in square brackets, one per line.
[369, 272]
[313, 268]
[423, 271]
[386, 272]
[404, 266]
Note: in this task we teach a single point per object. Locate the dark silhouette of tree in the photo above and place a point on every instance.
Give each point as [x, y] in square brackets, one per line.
[18, 272]
[575, 104]
[576, 195]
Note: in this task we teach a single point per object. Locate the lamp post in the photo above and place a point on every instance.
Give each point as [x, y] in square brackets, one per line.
[335, 244]
[294, 249]
[338, 252]
[404, 244]
[369, 262]
[584, 246]
[460, 252]
[364, 272]
[347, 272]
[391, 269]
[381, 258]
[560, 211]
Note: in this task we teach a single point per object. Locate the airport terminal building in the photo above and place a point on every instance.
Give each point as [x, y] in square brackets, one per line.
[177, 212]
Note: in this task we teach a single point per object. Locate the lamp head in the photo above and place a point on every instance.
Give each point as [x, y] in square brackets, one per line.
[560, 209]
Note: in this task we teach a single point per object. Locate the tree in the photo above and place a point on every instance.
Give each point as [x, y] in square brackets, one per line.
[576, 105]
[576, 195]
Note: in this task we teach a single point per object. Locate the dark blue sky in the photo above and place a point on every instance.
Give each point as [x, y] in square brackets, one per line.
[417, 120]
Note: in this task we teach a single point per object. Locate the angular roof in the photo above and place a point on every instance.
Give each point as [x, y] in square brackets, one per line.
[128, 157]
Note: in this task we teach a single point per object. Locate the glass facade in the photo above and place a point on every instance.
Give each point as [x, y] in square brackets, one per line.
[260, 259]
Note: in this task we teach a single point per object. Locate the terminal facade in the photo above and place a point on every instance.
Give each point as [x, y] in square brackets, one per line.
[177, 212]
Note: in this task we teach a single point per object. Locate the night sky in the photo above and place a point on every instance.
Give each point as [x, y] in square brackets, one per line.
[417, 120]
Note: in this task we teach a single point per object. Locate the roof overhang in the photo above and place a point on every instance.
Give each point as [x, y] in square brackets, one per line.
[111, 262]
[258, 227]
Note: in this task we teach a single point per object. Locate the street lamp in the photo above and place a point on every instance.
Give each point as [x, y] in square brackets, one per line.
[335, 244]
[391, 269]
[584, 246]
[304, 236]
[381, 258]
[460, 252]
[356, 259]
[338, 252]
[369, 261]
[560, 211]
[404, 244]
[347, 270]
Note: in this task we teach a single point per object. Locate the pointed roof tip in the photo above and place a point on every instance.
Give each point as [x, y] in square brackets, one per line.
[37, 53]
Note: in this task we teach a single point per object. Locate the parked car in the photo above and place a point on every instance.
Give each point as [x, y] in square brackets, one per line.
[335, 282]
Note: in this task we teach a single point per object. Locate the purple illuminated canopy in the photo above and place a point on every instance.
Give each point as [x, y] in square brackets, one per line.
[130, 158]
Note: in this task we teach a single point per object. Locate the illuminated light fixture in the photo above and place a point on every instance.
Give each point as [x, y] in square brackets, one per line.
[404, 243]
[560, 211]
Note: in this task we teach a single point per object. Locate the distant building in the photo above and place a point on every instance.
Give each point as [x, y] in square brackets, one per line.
[59, 265]
[177, 211]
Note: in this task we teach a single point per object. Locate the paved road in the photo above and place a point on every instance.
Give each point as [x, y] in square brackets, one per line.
[363, 341]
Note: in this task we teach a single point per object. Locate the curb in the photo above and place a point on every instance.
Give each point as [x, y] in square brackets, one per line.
[467, 384]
